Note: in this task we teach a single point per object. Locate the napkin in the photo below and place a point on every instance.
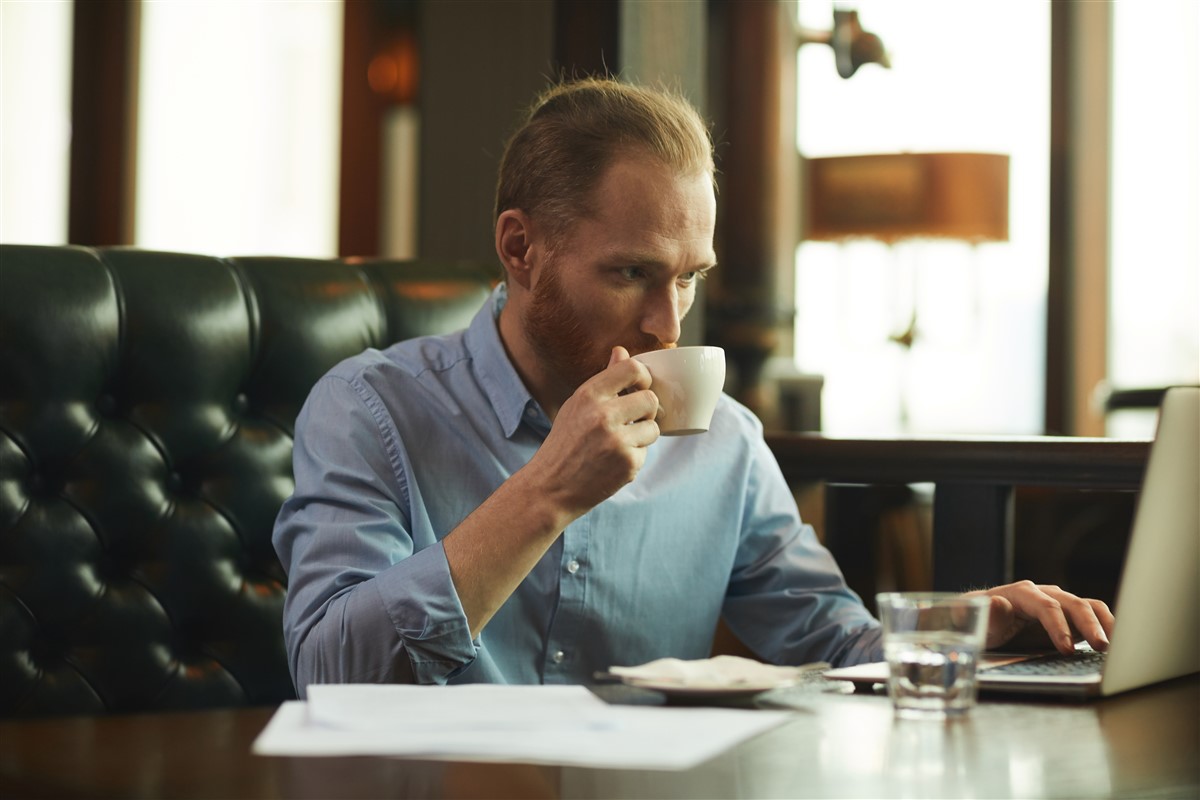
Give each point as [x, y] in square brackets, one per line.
[717, 673]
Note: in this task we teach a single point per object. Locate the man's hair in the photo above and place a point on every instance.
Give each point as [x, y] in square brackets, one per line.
[575, 130]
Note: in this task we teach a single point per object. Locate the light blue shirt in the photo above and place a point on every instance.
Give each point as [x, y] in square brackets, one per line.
[395, 448]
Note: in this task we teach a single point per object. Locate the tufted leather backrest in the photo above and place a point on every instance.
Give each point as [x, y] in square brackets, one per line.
[146, 410]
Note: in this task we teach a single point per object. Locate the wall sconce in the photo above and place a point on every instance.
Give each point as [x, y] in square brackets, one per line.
[392, 72]
[852, 46]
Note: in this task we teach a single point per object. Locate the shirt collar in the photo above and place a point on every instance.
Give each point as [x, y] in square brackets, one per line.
[511, 401]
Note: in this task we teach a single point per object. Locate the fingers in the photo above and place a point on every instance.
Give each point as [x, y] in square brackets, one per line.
[1000, 621]
[634, 407]
[1105, 616]
[1083, 618]
[1049, 612]
[618, 354]
[623, 374]
[642, 433]
[614, 400]
[1008, 625]
[598, 441]
[629, 381]
[1093, 621]
[1063, 616]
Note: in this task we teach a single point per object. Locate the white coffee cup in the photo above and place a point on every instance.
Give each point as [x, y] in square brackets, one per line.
[688, 381]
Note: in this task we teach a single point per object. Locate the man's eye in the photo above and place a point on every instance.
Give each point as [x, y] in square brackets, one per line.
[633, 273]
[688, 278]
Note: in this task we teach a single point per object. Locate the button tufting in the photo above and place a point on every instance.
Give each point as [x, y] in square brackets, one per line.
[241, 403]
[106, 405]
[175, 482]
[47, 647]
[109, 568]
[45, 483]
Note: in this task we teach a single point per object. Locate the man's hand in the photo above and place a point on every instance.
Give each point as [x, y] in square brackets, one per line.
[599, 439]
[1029, 613]
[596, 446]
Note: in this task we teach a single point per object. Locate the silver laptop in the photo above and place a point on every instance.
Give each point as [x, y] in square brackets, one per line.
[1157, 633]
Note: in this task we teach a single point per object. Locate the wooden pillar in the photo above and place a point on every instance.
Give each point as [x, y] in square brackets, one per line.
[1080, 124]
[750, 304]
[101, 183]
[359, 181]
[972, 536]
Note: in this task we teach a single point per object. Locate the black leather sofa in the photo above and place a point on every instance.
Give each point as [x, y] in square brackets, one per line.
[146, 409]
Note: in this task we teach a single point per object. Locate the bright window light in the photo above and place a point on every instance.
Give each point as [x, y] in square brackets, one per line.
[238, 127]
[1154, 332]
[964, 77]
[35, 120]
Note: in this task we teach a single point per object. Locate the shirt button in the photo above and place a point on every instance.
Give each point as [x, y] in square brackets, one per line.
[573, 566]
[559, 655]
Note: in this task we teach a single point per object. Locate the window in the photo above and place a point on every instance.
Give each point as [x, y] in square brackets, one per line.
[964, 77]
[35, 121]
[238, 127]
[1154, 333]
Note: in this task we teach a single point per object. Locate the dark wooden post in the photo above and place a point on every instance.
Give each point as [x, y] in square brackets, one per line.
[972, 536]
[101, 191]
[748, 314]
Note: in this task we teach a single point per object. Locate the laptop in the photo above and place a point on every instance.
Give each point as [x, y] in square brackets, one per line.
[1157, 632]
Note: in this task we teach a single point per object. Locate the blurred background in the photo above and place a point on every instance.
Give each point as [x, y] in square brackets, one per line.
[374, 127]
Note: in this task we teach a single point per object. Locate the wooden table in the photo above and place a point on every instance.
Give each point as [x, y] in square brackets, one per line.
[1145, 743]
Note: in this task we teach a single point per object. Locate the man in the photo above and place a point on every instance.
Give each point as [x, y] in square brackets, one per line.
[497, 505]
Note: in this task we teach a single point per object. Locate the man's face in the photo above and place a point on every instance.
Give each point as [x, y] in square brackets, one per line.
[625, 276]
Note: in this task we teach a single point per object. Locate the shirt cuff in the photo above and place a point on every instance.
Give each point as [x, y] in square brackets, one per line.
[422, 603]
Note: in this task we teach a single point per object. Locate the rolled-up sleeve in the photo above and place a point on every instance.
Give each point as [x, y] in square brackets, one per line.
[369, 599]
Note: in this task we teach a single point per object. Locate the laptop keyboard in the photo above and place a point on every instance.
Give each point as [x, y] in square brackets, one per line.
[1083, 662]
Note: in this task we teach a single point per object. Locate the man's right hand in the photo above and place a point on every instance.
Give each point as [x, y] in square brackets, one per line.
[599, 439]
[596, 446]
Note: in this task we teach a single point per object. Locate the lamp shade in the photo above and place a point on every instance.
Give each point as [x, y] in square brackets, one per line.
[896, 196]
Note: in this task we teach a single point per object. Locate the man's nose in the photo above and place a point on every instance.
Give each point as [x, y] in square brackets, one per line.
[663, 314]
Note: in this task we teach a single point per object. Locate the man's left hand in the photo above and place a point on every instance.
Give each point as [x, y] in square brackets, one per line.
[1023, 608]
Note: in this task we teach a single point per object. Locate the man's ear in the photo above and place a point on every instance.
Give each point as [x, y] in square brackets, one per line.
[514, 239]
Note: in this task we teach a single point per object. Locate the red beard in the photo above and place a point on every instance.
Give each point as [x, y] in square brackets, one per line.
[558, 336]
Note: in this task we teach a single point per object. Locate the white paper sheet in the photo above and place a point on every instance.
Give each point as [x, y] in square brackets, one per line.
[562, 725]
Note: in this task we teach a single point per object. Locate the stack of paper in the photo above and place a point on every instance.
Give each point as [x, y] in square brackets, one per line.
[563, 725]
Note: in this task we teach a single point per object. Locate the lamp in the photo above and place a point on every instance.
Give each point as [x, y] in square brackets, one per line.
[852, 46]
[890, 197]
[896, 197]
